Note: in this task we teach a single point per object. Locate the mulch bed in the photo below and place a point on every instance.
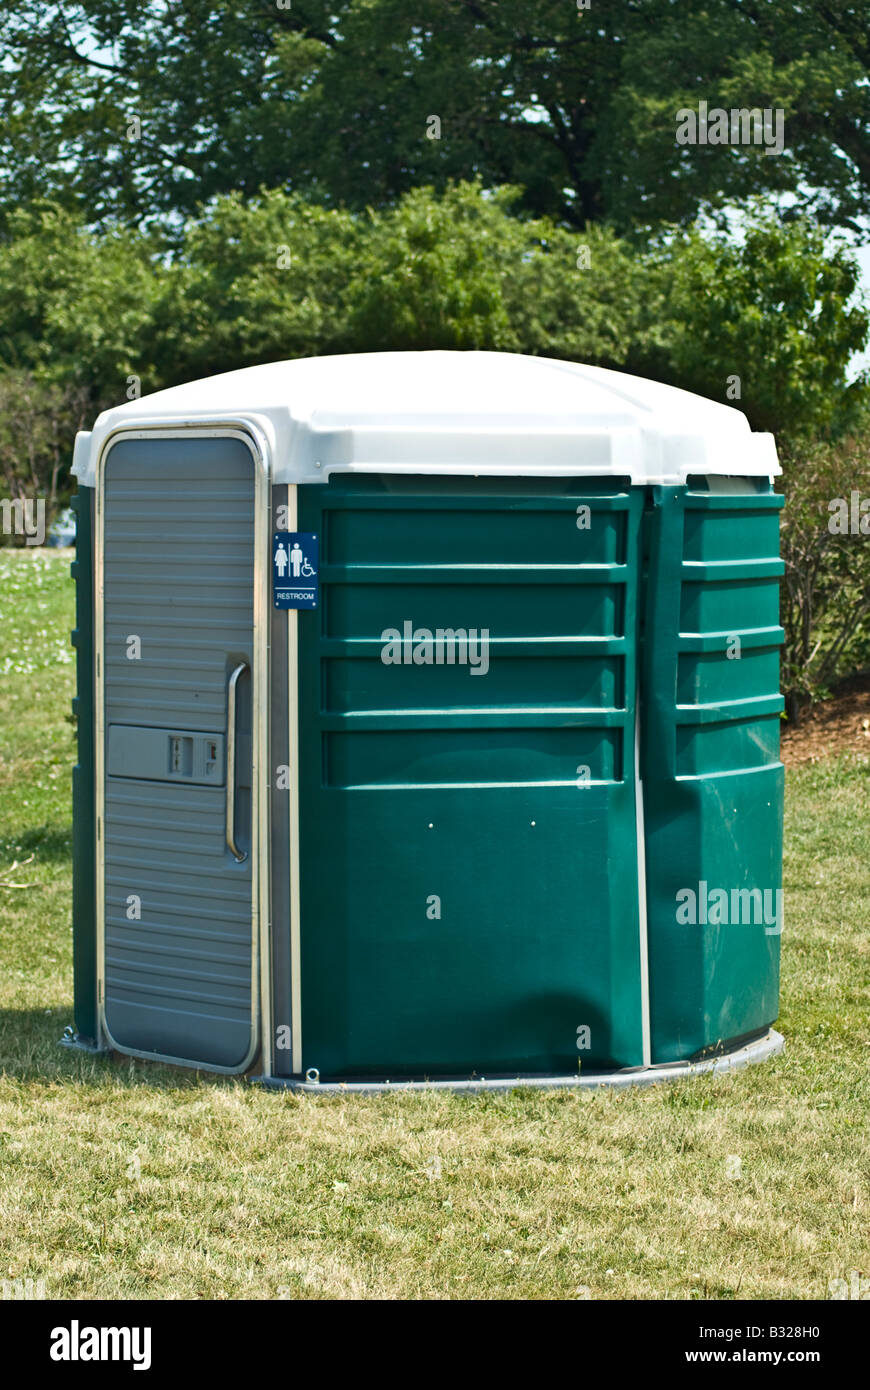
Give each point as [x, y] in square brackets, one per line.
[838, 725]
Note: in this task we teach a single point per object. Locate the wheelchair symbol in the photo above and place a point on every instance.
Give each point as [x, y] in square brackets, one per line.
[299, 564]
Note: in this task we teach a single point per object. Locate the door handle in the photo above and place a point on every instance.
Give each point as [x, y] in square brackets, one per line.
[239, 855]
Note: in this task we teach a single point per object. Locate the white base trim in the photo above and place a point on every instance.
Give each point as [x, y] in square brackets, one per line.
[757, 1051]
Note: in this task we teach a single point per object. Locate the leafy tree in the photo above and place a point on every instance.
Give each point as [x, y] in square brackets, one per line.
[433, 270]
[256, 281]
[138, 109]
[277, 277]
[74, 310]
[459, 271]
[769, 323]
[74, 306]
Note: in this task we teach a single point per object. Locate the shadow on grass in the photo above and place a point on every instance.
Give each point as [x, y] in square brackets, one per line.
[51, 844]
[30, 1050]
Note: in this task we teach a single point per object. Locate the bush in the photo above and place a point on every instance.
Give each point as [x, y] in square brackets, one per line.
[826, 589]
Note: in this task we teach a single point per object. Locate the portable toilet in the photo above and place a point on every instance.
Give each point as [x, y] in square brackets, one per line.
[428, 722]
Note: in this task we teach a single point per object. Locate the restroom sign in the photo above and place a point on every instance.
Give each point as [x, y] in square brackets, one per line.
[295, 582]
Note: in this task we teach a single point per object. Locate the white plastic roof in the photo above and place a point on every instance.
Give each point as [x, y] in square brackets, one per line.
[455, 412]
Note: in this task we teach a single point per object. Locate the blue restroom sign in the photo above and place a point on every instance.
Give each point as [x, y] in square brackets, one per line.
[295, 565]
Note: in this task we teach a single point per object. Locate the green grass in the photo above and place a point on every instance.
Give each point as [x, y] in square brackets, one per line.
[130, 1180]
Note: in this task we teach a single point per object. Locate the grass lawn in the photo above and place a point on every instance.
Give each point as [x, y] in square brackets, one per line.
[123, 1180]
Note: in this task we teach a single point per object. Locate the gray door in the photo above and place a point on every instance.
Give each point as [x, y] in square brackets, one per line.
[178, 520]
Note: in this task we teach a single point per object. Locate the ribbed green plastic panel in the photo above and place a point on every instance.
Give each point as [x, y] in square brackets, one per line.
[469, 895]
[713, 782]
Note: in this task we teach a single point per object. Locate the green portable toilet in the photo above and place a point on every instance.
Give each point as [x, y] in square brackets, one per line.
[428, 724]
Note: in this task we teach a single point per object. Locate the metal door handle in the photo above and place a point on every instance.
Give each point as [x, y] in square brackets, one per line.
[239, 855]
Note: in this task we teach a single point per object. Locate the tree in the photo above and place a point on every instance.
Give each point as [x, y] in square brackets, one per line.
[136, 110]
[277, 277]
[74, 306]
[256, 281]
[768, 323]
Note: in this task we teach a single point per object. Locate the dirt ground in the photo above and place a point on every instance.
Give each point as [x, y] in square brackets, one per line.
[838, 725]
